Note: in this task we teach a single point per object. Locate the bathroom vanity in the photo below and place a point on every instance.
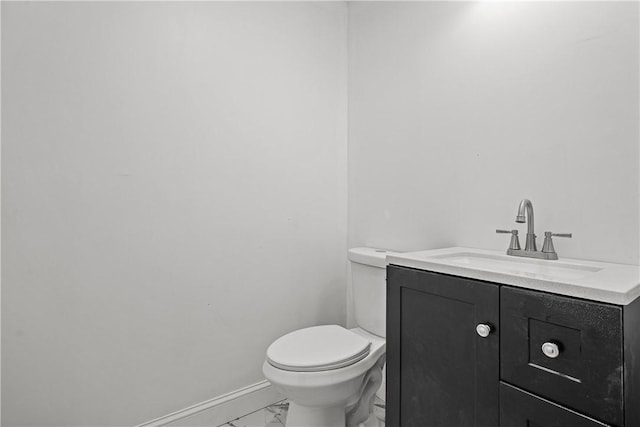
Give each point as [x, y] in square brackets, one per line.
[477, 339]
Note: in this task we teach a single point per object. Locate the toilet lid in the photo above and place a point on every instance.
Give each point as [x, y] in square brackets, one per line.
[319, 348]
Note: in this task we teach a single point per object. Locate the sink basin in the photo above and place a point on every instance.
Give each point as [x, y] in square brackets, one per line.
[548, 270]
[605, 282]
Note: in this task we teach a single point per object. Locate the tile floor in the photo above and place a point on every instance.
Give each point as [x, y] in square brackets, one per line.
[271, 416]
[276, 415]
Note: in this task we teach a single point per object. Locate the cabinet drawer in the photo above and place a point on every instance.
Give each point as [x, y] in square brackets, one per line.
[587, 373]
[521, 409]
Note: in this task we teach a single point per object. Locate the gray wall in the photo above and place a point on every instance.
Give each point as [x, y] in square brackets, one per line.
[173, 199]
[458, 110]
[174, 175]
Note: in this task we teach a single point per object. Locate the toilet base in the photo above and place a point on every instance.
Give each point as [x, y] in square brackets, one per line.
[304, 416]
[301, 416]
[373, 421]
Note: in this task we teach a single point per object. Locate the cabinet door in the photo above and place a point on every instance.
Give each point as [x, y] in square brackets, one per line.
[440, 372]
[521, 409]
[587, 373]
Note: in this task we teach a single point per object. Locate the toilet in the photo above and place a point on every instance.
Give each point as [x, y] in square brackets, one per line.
[331, 374]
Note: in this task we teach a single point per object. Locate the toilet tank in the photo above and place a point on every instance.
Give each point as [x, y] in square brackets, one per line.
[369, 285]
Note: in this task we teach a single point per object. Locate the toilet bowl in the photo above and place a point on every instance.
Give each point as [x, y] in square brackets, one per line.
[331, 374]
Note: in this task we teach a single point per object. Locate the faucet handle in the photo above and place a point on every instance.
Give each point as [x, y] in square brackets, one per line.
[515, 242]
[547, 247]
[557, 234]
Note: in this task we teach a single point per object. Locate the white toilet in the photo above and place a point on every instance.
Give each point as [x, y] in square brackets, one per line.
[331, 374]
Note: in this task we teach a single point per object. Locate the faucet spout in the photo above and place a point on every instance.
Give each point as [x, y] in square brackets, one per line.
[526, 207]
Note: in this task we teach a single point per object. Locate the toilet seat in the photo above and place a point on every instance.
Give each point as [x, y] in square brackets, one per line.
[319, 348]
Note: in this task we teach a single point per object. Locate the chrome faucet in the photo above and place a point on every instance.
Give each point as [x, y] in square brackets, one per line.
[527, 206]
[525, 214]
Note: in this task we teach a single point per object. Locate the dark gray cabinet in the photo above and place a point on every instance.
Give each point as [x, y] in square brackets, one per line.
[519, 408]
[587, 374]
[441, 372]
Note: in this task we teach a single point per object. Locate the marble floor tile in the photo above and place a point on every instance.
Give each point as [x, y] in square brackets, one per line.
[276, 416]
[271, 416]
[379, 409]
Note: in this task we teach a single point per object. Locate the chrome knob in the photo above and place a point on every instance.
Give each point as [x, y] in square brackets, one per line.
[483, 330]
[547, 246]
[551, 350]
[515, 242]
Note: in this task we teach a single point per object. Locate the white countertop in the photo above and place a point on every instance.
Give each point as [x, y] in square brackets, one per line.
[599, 281]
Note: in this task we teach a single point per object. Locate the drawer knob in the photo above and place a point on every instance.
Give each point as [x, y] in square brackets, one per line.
[483, 330]
[551, 350]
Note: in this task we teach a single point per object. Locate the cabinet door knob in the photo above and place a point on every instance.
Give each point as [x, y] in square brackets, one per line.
[483, 330]
[551, 350]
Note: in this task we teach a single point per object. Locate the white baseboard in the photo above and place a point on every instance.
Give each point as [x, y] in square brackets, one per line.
[221, 409]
